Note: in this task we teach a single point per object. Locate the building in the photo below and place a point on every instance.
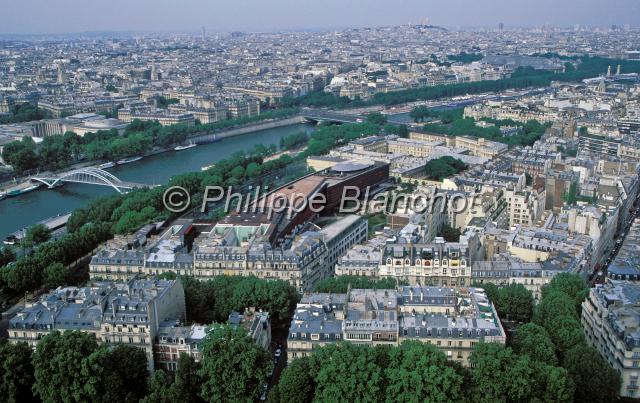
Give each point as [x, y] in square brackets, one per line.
[435, 264]
[454, 320]
[599, 144]
[129, 313]
[342, 235]
[163, 117]
[173, 340]
[611, 318]
[525, 207]
[532, 275]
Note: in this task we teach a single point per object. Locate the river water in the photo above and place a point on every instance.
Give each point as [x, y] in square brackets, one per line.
[22, 211]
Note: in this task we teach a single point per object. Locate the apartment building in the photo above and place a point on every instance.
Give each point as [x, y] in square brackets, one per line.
[610, 317]
[127, 313]
[532, 275]
[525, 207]
[437, 264]
[454, 320]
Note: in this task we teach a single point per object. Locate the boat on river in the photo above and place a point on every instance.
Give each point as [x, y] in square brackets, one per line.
[128, 160]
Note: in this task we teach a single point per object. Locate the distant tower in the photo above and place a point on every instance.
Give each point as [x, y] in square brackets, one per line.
[154, 72]
[618, 71]
[501, 26]
[609, 71]
[204, 33]
[602, 87]
[61, 78]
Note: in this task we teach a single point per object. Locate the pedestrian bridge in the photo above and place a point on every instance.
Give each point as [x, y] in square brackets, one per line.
[89, 176]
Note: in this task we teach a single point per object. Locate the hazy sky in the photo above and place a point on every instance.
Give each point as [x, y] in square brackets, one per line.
[60, 16]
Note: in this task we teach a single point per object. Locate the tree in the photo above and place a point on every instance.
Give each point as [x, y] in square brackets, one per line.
[183, 388]
[159, 389]
[566, 332]
[340, 284]
[7, 255]
[497, 374]
[16, 372]
[419, 371]
[534, 341]
[116, 375]
[253, 170]
[37, 234]
[571, 284]
[55, 275]
[296, 383]
[349, 373]
[595, 380]
[376, 118]
[443, 167]
[186, 385]
[233, 367]
[21, 155]
[553, 305]
[449, 233]
[58, 362]
[515, 303]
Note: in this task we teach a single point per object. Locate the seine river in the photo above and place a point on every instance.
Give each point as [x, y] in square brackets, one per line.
[22, 211]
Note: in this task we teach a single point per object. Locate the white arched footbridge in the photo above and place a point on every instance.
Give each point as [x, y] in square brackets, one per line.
[89, 176]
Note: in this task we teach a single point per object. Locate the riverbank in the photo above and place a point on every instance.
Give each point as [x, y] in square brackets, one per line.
[199, 138]
[22, 211]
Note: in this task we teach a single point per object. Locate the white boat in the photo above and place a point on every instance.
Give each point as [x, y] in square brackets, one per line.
[185, 147]
[10, 240]
[107, 165]
[207, 167]
[128, 160]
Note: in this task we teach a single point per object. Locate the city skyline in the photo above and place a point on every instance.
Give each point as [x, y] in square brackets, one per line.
[34, 17]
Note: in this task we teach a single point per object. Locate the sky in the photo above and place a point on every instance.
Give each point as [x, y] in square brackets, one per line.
[66, 16]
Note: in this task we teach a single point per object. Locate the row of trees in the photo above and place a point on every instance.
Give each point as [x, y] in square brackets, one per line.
[293, 140]
[340, 284]
[71, 367]
[43, 265]
[416, 371]
[552, 334]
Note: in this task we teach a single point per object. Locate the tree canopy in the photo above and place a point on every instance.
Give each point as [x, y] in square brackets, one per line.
[233, 367]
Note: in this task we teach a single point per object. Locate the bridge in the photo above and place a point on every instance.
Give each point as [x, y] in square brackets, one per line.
[320, 115]
[89, 176]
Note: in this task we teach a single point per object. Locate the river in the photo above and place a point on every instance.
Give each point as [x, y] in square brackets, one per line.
[23, 211]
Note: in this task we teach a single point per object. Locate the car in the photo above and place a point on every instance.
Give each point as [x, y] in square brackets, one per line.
[278, 353]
